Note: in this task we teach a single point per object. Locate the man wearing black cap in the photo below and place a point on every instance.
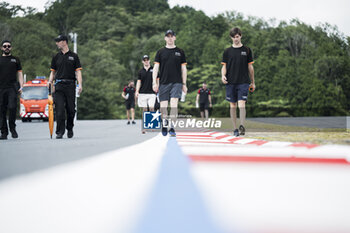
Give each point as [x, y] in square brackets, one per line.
[10, 70]
[65, 69]
[146, 98]
[171, 62]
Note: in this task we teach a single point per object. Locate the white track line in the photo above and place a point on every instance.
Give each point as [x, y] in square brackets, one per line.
[270, 197]
[278, 198]
[246, 150]
[100, 194]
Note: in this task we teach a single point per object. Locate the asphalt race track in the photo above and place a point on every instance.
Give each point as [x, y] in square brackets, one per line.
[35, 150]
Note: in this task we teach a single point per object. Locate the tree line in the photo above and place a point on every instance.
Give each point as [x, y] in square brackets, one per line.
[300, 70]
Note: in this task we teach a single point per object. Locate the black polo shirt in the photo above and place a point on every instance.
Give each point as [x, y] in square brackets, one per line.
[237, 60]
[146, 80]
[65, 65]
[203, 95]
[131, 92]
[9, 66]
[170, 61]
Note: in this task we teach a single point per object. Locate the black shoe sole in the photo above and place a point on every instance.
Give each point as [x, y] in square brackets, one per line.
[70, 134]
[14, 134]
[172, 133]
[165, 131]
[241, 130]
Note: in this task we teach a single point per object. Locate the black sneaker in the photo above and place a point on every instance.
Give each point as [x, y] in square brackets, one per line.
[236, 133]
[70, 133]
[59, 136]
[3, 137]
[165, 128]
[128, 123]
[172, 132]
[133, 122]
[241, 130]
[13, 133]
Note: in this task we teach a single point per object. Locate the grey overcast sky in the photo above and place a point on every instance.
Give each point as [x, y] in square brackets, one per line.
[312, 12]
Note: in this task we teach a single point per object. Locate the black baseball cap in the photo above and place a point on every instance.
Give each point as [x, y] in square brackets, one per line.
[61, 37]
[171, 32]
[145, 57]
[5, 41]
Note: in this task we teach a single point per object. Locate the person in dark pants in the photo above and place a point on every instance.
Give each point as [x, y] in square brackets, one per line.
[129, 95]
[65, 69]
[203, 101]
[10, 69]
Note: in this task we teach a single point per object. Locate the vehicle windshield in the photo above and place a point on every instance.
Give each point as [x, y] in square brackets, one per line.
[35, 93]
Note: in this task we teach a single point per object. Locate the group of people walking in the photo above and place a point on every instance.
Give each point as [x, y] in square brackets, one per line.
[167, 79]
[65, 73]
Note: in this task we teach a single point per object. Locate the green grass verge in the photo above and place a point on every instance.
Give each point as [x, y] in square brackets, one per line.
[274, 132]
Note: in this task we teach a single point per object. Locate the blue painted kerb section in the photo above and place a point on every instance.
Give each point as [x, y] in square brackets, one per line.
[175, 205]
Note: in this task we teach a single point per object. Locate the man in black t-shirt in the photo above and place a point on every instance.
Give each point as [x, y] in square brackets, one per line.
[203, 101]
[146, 98]
[10, 70]
[129, 95]
[171, 62]
[145, 95]
[237, 74]
[66, 70]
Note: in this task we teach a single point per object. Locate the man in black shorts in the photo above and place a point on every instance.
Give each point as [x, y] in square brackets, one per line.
[10, 70]
[171, 62]
[203, 100]
[129, 96]
[237, 74]
[66, 70]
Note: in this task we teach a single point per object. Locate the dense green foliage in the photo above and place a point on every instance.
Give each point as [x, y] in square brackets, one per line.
[299, 70]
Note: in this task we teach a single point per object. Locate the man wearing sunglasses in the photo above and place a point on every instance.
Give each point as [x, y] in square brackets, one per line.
[10, 70]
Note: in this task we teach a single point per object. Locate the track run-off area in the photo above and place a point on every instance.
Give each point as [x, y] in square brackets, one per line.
[200, 181]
